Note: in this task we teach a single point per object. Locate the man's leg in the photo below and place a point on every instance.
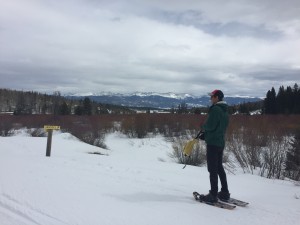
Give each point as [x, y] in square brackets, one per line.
[212, 167]
[221, 171]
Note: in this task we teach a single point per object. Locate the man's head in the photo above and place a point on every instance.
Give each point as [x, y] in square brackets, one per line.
[216, 96]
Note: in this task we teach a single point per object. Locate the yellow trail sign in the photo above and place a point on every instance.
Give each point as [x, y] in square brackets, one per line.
[51, 127]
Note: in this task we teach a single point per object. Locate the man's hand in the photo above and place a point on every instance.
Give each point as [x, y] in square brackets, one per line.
[201, 135]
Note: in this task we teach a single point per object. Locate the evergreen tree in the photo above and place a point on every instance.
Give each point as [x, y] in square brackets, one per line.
[55, 103]
[87, 106]
[289, 100]
[296, 103]
[78, 110]
[244, 108]
[20, 106]
[281, 100]
[64, 109]
[270, 106]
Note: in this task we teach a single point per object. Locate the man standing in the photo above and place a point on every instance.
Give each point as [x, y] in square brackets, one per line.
[214, 129]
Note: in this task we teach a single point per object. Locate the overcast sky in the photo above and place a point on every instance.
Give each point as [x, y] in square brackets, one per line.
[239, 46]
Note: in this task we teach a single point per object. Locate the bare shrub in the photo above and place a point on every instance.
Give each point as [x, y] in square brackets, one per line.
[292, 169]
[6, 122]
[37, 132]
[274, 157]
[197, 157]
[128, 126]
[246, 144]
[261, 142]
[235, 146]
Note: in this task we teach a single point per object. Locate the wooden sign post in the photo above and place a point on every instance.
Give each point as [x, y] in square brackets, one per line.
[50, 129]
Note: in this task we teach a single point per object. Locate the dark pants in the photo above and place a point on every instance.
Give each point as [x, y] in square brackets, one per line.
[215, 168]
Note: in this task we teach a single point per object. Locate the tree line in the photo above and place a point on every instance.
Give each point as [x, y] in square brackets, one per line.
[29, 102]
[286, 101]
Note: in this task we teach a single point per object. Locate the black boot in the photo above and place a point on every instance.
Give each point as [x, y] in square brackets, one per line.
[223, 195]
[209, 198]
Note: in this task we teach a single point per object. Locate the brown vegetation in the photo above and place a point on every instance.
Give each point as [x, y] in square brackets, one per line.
[257, 142]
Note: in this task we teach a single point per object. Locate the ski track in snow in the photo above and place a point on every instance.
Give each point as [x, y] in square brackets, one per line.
[129, 185]
[23, 213]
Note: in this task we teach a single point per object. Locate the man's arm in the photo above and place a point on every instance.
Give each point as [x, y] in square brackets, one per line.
[212, 120]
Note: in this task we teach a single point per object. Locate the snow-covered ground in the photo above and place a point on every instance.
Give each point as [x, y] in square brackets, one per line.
[133, 183]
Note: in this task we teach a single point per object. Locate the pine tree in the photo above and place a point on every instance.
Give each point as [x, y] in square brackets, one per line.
[64, 109]
[296, 104]
[78, 110]
[87, 106]
[289, 100]
[270, 102]
[281, 100]
[56, 102]
[244, 108]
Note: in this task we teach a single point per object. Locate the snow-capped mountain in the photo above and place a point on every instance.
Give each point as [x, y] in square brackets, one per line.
[140, 94]
[158, 100]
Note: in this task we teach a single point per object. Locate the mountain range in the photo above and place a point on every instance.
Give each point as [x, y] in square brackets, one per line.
[158, 100]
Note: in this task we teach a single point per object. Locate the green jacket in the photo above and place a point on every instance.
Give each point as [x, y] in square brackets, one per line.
[216, 124]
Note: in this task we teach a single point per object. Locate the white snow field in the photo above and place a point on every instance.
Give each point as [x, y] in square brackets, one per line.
[134, 183]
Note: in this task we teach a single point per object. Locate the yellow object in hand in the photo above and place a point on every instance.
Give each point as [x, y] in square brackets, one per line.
[189, 147]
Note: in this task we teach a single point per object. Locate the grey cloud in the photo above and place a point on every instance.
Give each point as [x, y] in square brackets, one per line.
[127, 46]
[232, 28]
[275, 74]
[235, 29]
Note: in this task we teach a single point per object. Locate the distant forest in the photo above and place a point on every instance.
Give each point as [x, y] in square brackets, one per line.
[29, 102]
